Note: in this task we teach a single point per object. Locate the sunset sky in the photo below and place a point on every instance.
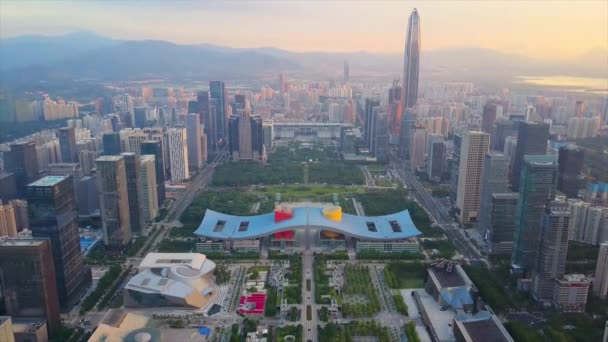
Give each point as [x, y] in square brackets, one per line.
[544, 29]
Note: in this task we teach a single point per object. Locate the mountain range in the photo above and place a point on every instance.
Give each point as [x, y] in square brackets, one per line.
[85, 55]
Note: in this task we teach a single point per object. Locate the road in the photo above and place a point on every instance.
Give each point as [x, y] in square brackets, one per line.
[308, 292]
[202, 178]
[438, 212]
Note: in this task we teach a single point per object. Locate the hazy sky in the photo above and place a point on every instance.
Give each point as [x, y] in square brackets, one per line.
[546, 29]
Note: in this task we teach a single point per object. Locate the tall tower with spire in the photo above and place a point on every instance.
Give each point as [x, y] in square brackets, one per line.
[409, 89]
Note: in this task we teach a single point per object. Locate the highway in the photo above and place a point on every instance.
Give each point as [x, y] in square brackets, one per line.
[202, 178]
[438, 212]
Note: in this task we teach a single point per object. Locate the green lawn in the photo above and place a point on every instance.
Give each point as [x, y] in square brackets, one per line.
[405, 275]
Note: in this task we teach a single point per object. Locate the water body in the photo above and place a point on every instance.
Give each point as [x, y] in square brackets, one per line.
[569, 83]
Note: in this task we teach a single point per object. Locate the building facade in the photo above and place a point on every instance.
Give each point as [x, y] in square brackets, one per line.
[134, 193]
[475, 145]
[600, 282]
[53, 215]
[178, 154]
[114, 200]
[531, 141]
[495, 179]
[538, 179]
[149, 198]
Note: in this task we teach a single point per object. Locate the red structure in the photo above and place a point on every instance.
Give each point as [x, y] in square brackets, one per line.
[287, 235]
[282, 213]
[253, 304]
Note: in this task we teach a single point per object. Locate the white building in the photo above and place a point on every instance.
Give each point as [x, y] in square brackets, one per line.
[171, 279]
[570, 293]
[178, 154]
[475, 145]
[147, 176]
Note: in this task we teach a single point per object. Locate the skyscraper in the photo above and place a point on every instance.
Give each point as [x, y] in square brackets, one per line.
[538, 179]
[394, 111]
[246, 137]
[495, 179]
[570, 166]
[134, 193]
[600, 284]
[53, 215]
[22, 160]
[531, 141]
[178, 153]
[491, 111]
[553, 246]
[67, 143]
[502, 129]
[501, 226]
[114, 200]
[193, 128]
[475, 145]
[111, 144]
[154, 147]
[411, 61]
[368, 118]
[8, 223]
[409, 91]
[346, 71]
[218, 93]
[380, 137]
[435, 164]
[149, 197]
[417, 148]
[8, 186]
[454, 164]
[29, 287]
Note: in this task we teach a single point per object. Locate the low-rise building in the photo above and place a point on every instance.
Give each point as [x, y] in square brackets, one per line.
[171, 279]
[570, 293]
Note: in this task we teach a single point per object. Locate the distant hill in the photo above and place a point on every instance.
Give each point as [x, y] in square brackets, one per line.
[46, 50]
[83, 55]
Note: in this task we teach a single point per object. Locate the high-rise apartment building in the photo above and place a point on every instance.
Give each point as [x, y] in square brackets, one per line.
[149, 197]
[193, 128]
[67, 142]
[495, 179]
[29, 287]
[553, 247]
[53, 215]
[154, 147]
[570, 165]
[436, 156]
[114, 200]
[111, 144]
[600, 282]
[178, 153]
[538, 180]
[531, 141]
[475, 145]
[134, 193]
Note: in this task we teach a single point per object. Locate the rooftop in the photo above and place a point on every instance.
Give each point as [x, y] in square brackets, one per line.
[6, 242]
[48, 181]
[484, 327]
[216, 225]
[447, 279]
[109, 158]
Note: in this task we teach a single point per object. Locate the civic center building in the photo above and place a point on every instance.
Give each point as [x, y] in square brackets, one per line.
[283, 230]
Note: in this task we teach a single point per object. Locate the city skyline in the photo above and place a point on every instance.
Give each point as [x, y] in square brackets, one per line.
[530, 29]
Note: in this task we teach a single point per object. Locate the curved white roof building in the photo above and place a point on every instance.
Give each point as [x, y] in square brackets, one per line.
[172, 279]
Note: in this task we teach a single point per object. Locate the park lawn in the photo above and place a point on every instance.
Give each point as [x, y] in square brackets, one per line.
[405, 275]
